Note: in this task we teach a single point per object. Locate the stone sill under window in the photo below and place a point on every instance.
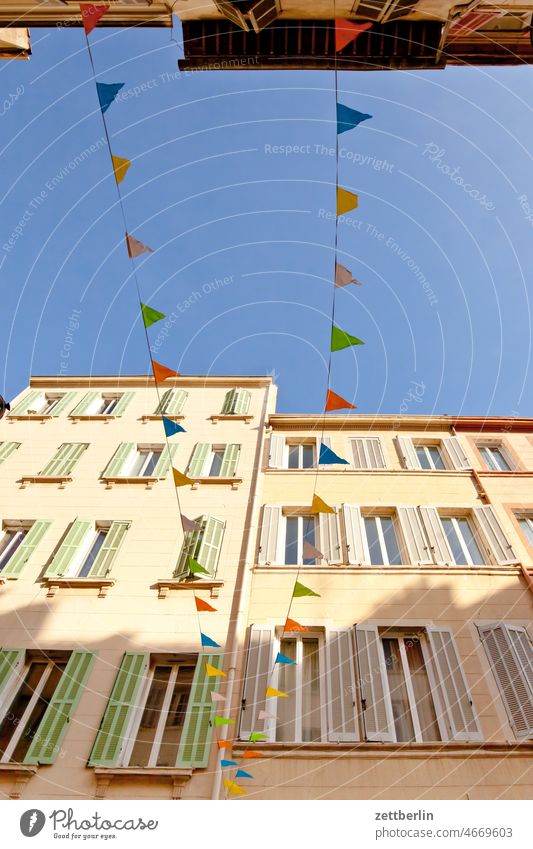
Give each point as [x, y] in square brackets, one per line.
[373, 472]
[366, 569]
[513, 473]
[174, 776]
[33, 417]
[229, 418]
[358, 749]
[94, 418]
[235, 483]
[100, 584]
[166, 584]
[154, 418]
[148, 482]
[21, 774]
[61, 480]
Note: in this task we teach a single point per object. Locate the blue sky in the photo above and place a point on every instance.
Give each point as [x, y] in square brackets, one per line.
[244, 245]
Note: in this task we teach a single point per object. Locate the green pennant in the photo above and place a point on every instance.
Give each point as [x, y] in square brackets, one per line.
[256, 736]
[195, 568]
[300, 590]
[340, 339]
[223, 720]
[150, 316]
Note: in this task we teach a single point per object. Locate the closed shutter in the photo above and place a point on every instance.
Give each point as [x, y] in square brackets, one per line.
[110, 548]
[46, 743]
[341, 689]
[438, 542]
[373, 686]
[25, 550]
[198, 726]
[85, 404]
[204, 545]
[276, 457]
[263, 13]
[68, 548]
[11, 662]
[456, 706]
[7, 449]
[65, 401]
[27, 403]
[236, 402]
[324, 467]
[259, 664]
[407, 452]
[356, 543]
[494, 534]
[196, 468]
[172, 402]
[510, 655]
[230, 461]
[414, 536]
[269, 540]
[123, 402]
[456, 455]
[111, 739]
[165, 461]
[368, 453]
[118, 460]
[64, 461]
[329, 537]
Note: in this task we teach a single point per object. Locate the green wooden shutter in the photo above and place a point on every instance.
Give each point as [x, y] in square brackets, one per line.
[229, 461]
[197, 461]
[7, 449]
[190, 541]
[63, 402]
[11, 661]
[106, 556]
[66, 551]
[172, 402]
[207, 553]
[113, 468]
[242, 402]
[46, 744]
[110, 738]
[85, 403]
[198, 727]
[123, 402]
[25, 550]
[27, 403]
[65, 459]
[165, 461]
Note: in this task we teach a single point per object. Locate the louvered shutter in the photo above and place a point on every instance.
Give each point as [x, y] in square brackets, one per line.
[123, 403]
[407, 452]
[356, 543]
[27, 403]
[196, 468]
[370, 10]
[329, 533]
[276, 457]
[190, 541]
[368, 453]
[415, 540]
[263, 13]
[259, 664]
[373, 685]
[269, 540]
[197, 731]
[438, 542]
[16, 564]
[341, 688]
[229, 11]
[46, 743]
[64, 460]
[494, 535]
[172, 402]
[456, 706]
[118, 460]
[204, 545]
[65, 401]
[165, 461]
[7, 449]
[456, 455]
[11, 663]
[68, 548]
[510, 655]
[230, 461]
[324, 440]
[110, 548]
[111, 738]
[399, 9]
[85, 404]
[236, 402]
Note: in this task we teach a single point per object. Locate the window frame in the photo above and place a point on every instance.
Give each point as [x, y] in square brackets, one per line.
[425, 444]
[151, 449]
[12, 527]
[365, 440]
[379, 513]
[495, 446]
[288, 513]
[78, 561]
[477, 533]
[300, 444]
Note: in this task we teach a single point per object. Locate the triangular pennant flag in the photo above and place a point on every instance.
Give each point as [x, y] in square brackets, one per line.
[282, 658]
[150, 316]
[346, 31]
[340, 339]
[343, 277]
[216, 697]
[271, 693]
[309, 552]
[180, 479]
[326, 456]
[188, 524]
[224, 763]
[224, 744]
[234, 789]
[346, 201]
[106, 95]
[256, 736]
[293, 625]
[162, 372]
[213, 672]
[120, 167]
[136, 248]
[196, 569]
[348, 118]
[300, 591]
[249, 753]
[223, 720]
[319, 506]
[203, 606]
[242, 774]
[171, 428]
[207, 642]
[335, 402]
[264, 715]
[91, 14]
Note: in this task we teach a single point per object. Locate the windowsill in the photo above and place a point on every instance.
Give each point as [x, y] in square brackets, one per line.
[154, 418]
[230, 418]
[441, 749]
[489, 473]
[365, 569]
[93, 418]
[233, 482]
[21, 774]
[172, 775]
[164, 585]
[101, 584]
[373, 472]
[61, 480]
[33, 417]
[148, 482]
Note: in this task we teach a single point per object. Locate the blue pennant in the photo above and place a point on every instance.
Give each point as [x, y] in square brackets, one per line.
[348, 118]
[242, 774]
[107, 93]
[172, 427]
[207, 642]
[327, 456]
[228, 763]
[282, 658]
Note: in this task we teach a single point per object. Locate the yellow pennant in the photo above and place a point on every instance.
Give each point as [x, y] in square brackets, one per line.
[180, 479]
[120, 167]
[213, 672]
[234, 788]
[319, 506]
[274, 694]
[345, 201]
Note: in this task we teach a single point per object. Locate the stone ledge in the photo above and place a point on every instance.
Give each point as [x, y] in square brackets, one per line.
[229, 418]
[148, 482]
[166, 584]
[424, 751]
[154, 418]
[235, 483]
[21, 774]
[61, 480]
[172, 775]
[101, 584]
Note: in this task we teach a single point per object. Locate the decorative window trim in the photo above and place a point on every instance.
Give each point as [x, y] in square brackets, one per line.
[512, 458]
[55, 584]
[151, 417]
[174, 776]
[229, 418]
[60, 480]
[165, 585]
[21, 775]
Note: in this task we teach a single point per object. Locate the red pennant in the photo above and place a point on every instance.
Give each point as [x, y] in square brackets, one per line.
[202, 605]
[293, 625]
[162, 372]
[335, 402]
[91, 14]
[346, 31]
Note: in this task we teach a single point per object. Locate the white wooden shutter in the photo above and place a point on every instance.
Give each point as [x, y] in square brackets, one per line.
[259, 664]
[455, 707]
[414, 536]
[270, 530]
[172, 402]
[231, 13]
[510, 655]
[343, 725]
[329, 537]
[276, 455]
[407, 452]
[324, 440]
[438, 542]
[355, 537]
[118, 461]
[368, 453]
[494, 534]
[263, 13]
[456, 455]
[373, 685]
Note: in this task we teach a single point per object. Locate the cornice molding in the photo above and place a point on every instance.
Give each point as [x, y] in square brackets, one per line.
[282, 421]
[144, 381]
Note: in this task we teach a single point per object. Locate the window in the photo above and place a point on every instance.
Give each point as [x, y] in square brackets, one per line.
[413, 709]
[236, 402]
[301, 455]
[201, 546]
[510, 654]
[143, 462]
[102, 404]
[215, 461]
[18, 541]
[7, 449]
[88, 550]
[47, 407]
[286, 533]
[172, 402]
[291, 453]
[432, 455]
[38, 403]
[461, 537]
[299, 530]
[368, 453]
[64, 460]
[526, 526]
[261, 13]
[429, 456]
[495, 458]
[9, 543]
[108, 405]
[89, 554]
[133, 461]
[382, 540]
[300, 718]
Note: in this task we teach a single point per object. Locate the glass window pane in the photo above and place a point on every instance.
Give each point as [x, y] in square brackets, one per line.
[8, 545]
[294, 451]
[19, 704]
[107, 406]
[422, 457]
[425, 708]
[527, 527]
[453, 541]
[88, 563]
[311, 724]
[291, 541]
[144, 740]
[307, 456]
[391, 541]
[309, 535]
[403, 721]
[139, 462]
[470, 542]
[500, 460]
[436, 457]
[285, 708]
[168, 750]
[32, 725]
[216, 465]
[153, 460]
[486, 453]
[374, 546]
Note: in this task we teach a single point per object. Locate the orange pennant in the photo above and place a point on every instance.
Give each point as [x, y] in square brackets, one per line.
[335, 402]
[202, 605]
[292, 625]
[224, 744]
[162, 372]
[251, 754]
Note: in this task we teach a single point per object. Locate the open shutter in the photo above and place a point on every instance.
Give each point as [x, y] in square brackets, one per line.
[65, 401]
[329, 533]
[118, 460]
[27, 403]
[276, 457]
[456, 455]
[7, 449]
[456, 706]
[172, 402]
[494, 534]
[16, 564]
[85, 404]
[46, 743]
[229, 461]
[373, 686]
[190, 541]
[231, 13]
[342, 692]
[263, 13]
[510, 655]
[269, 540]
[195, 740]
[64, 460]
[259, 664]
[407, 452]
[11, 662]
[110, 548]
[165, 461]
[418, 549]
[198, 459]
[236, 402]
[68, 548]
[110, 739]
[438, 542]
[208, 552]
[123, 402]
[356, 544]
